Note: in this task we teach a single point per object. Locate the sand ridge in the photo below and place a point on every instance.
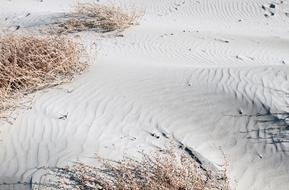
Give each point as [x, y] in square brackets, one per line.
[212, 74]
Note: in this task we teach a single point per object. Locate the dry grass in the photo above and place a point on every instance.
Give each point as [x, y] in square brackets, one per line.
[29, 63]
[100, 18]
[163, 171]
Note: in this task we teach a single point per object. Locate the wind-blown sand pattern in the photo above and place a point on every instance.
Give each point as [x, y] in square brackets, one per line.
[211, 74]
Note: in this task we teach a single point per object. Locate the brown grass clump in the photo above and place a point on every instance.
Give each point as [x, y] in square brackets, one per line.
[92, 16]
[29, 63]
[163, 171]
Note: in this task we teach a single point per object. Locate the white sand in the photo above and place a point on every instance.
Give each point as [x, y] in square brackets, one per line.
[192, 70]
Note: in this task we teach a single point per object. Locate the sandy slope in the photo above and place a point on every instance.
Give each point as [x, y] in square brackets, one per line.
[211, 74]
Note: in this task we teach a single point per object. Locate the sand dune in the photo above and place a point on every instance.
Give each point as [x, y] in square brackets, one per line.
[211, 74]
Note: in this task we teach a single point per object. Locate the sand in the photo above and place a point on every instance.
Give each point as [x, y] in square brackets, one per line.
[211, 74]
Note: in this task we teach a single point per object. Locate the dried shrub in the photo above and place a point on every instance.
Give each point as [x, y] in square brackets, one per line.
[30, 62]
[100, 18]
[163, 171]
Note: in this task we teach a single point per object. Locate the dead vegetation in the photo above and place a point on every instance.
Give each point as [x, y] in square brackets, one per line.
[29, 63]
[96, 17]
[167, 170]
